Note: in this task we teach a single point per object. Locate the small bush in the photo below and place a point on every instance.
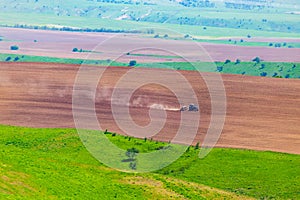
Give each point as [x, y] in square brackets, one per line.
[263, 74]
[257, 60]
[238, 61]
[132, 63]
[197, 145]
[14, 48]
[227, 61]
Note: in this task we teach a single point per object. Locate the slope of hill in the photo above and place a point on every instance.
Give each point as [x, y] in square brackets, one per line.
[197, 13]
[53, 164]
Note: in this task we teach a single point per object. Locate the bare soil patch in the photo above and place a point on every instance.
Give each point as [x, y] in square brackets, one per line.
[115, 46]
[262, 113]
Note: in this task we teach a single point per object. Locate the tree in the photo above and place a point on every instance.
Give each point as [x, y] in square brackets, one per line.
[132, 63]
[219, 68]
[8, 59]
[257, 60]
[227, 61]
[14, 48]
[75, 49]
[131, 154]
[238, 61]
[197, 145]
[263, 74]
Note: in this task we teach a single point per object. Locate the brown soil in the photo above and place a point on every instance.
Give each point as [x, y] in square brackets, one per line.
[262, 113]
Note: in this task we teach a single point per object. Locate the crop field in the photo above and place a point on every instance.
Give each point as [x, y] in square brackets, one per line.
[115, 47]
[42, 163]
[261, 107]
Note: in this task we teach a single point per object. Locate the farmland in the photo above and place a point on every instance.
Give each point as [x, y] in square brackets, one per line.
[255, 105]
[116, 46]
[119, 99]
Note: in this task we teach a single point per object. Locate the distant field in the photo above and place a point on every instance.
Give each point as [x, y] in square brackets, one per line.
[242, 42]
[45, 59]
[173, 30]
[53, 163]
[268, 69]
[272, 18]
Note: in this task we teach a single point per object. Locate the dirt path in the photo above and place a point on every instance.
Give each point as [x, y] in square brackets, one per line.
[262, 113]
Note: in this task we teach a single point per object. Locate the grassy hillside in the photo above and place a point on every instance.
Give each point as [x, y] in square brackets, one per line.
[274, 20]
[53, 164]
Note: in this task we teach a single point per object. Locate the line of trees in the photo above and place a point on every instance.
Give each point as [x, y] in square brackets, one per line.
[106, 30]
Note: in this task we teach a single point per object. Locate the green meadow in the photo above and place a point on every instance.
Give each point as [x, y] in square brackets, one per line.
[54, 164]
[261, 68]
[172, 30]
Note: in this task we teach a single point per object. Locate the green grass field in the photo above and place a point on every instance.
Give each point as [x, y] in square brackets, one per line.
[53, 164]
[257, 44]
[268, 69]
[173, 30]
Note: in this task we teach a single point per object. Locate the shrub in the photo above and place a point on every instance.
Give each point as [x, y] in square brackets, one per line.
[8, 59]
[263, 74]
[75, 50]
[227, 61]
[132, 63]
[238, 61]
[197, 145]
[278, 45]
[16, 59]
[156, 36]
[14, 48]
[257, 60]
